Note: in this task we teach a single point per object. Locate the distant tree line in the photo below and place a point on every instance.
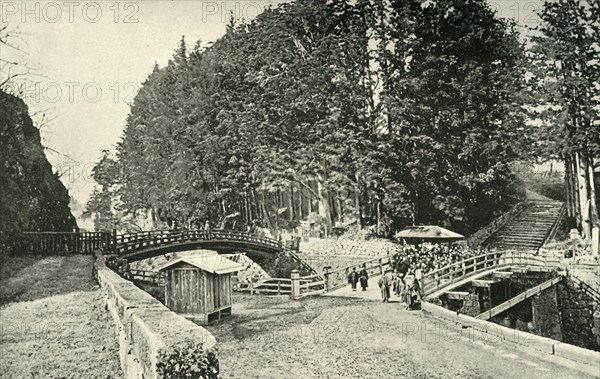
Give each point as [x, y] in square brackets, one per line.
[383, 113]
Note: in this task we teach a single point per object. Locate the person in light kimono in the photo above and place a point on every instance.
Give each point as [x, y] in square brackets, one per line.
[384, 284]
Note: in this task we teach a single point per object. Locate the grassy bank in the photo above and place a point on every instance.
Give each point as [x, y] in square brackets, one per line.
[53, 321]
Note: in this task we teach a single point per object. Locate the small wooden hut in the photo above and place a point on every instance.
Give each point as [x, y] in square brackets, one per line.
[199, 287]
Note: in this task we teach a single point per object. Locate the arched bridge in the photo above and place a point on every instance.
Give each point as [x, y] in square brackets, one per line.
[448, 277]
[137, 246]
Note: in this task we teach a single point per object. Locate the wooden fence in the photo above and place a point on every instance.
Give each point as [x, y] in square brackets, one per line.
[304, 286]
[339, 278]
[146, 276]
[51, 243]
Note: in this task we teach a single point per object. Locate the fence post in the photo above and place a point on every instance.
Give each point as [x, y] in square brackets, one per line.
[114, 240]
[327, 274]
[380, 267]
[295, 285]
[251, 285]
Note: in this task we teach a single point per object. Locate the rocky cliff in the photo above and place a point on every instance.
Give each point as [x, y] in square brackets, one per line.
[31, 196]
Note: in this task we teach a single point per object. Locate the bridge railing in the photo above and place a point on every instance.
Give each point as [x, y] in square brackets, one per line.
[134, 241]
[448, 275]
[338, 278]
[529, 259]
[51, 243]
[434, 280]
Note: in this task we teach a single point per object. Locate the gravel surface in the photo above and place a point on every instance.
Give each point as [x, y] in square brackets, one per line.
[350, 338]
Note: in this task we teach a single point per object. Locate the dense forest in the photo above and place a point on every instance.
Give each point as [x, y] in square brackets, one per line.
[375, 113]
[32, 197]
[564, 92]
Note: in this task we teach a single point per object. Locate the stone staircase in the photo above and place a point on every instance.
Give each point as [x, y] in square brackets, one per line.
[529, 229]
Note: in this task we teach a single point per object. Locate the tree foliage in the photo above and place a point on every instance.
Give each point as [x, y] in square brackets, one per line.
[381, 113]
[565, 89]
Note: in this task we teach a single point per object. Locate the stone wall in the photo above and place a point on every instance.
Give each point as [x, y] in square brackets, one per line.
[580, 315]
[546, 319]
[152, 338]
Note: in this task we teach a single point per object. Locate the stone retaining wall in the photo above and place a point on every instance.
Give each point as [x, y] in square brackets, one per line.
[154, 342]
[501, 334]
[580, 314]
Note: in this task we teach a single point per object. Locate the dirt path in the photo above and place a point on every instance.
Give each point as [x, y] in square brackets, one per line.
[366, 339]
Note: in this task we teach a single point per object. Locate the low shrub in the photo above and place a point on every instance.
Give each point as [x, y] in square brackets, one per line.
[189, 361]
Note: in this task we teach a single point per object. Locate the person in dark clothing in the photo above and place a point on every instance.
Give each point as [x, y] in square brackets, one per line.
[403, 267]
[364, 277]
[353, 278]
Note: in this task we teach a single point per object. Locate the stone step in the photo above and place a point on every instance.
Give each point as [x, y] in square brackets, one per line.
[528, 228]
[524, 233]
[518, 238]
[509, 239]
[533, 220]
[518, 242]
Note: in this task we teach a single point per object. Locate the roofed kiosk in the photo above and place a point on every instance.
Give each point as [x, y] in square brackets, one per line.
[428, 233]
[199, 287]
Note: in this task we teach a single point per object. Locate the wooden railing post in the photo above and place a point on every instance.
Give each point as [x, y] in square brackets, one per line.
[295, 285]
[327, 275]
[114, 241]
[380, 267]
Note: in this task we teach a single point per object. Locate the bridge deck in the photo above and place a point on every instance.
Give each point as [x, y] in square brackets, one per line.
[464, 281]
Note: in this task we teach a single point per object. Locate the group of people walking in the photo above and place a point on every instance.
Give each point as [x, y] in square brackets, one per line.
[401, 281]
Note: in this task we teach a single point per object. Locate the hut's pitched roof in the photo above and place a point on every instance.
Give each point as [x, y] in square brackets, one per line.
[429, 232]
[213, 263]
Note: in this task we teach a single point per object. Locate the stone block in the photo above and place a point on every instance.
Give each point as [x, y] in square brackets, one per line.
[146, 327]
[578, 354]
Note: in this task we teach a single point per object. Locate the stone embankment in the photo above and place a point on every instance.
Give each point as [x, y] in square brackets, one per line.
[152, 339]
[579, 305]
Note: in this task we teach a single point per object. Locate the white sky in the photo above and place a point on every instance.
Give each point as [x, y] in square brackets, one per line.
[82, 47]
